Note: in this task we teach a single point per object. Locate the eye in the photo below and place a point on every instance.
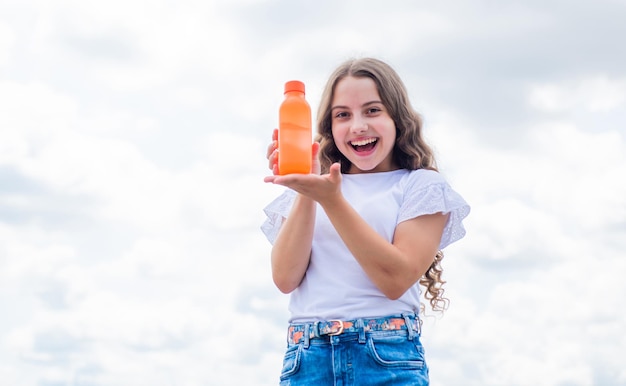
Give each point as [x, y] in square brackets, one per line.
[341, 114]
[373, 110]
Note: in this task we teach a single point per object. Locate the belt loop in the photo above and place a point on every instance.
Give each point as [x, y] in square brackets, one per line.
[359, 324]
[316, 329]
[307, 335]
[409, 325]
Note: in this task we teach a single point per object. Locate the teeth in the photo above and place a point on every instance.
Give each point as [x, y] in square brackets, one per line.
[363, 142]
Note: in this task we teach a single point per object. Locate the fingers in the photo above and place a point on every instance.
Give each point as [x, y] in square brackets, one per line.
[335, 171]
[270, 149]
[272, 152]
[273, 145]
[315, 162]
[315, 148]
[272, 156]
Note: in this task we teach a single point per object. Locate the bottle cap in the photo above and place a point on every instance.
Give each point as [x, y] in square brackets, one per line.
[294, 85]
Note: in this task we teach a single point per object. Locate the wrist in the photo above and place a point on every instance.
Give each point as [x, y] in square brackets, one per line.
[333, 203]
[301, 199]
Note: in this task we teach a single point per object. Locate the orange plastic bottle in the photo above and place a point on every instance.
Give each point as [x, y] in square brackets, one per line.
[294, 131]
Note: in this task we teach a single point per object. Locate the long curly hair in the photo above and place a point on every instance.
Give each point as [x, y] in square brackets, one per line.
[433, 283]
[409, 152]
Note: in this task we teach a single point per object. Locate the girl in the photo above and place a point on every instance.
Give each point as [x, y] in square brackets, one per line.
[353, 240]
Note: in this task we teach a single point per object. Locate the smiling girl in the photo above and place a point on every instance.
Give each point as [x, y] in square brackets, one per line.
[354, 239]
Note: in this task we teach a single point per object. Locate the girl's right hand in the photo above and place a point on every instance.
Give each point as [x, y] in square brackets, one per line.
[315, 161]
[272, 155]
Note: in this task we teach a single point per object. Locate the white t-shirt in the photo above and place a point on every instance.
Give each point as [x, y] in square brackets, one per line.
[335, 286]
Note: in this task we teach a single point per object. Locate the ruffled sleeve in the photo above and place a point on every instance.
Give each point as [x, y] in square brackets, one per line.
[276, 213]
[428, 193]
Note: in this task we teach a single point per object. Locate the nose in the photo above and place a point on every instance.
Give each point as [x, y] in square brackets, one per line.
[359, 125]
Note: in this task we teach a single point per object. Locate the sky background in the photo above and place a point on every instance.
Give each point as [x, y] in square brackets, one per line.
[132, 157]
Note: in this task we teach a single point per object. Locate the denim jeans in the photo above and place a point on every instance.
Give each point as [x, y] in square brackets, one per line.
[356, 358]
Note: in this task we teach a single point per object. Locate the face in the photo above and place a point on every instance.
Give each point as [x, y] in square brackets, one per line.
[362, 128]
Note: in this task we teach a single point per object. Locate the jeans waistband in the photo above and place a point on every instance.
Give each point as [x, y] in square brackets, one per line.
[296, 332]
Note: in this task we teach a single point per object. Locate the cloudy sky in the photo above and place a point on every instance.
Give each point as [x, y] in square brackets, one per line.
[132, 145]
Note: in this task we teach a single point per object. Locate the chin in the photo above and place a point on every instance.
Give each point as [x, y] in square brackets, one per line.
[363, 168]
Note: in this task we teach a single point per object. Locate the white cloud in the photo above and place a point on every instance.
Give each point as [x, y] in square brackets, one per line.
[7, 41]
[543, 235]
[35, 108]
[598, 93]
[132, 153]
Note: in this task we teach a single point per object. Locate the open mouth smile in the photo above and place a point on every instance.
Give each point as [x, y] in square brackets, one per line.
[364, 144]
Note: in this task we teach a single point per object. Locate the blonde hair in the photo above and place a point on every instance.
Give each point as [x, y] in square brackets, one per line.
[409, 152]
[433, 283]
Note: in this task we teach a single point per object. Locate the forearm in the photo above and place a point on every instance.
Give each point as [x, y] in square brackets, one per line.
[392, 269]
[292, 248]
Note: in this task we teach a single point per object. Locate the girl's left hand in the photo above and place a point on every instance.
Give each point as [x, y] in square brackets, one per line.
[317, 187]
